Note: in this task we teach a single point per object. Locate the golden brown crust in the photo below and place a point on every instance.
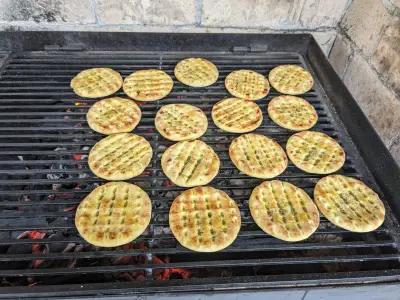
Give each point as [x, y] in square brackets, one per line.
[237, 115]
[258, 156]
[190, 163]
[247, 84]
[180, 122]
[349, 203]
[204, 219]
[113, 115]
[96, 82]
[315, 152]
[283, 210]
[148, 85]
[292, 113]
[120, 156]
[196, 72]
[113, 214]
[291, 79]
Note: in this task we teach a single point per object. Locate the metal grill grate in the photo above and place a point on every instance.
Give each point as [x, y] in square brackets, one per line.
[44, 141]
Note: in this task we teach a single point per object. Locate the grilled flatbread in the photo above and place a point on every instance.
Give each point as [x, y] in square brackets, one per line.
[283, 210]
[113, 214]
[96, 82]
[349, 203]
[258, 156]
[237, 115]
[315, 152]
[247, 84]
[292, 113]
[204, 219]
[180, 122]
[113, 115]
[148, 85]
[291, 79]
[120, 156]
[196, 72]
[190, 163]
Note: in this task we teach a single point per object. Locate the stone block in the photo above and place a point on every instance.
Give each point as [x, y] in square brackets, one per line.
[395, 149]
[340, 54]
[378, 102]
[146, 12]
[326, 13]
[47, 11]
[364, 22]
[386, 58]
[325, 39]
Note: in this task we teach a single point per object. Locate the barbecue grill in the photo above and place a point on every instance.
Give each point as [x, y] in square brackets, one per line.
[45, 139]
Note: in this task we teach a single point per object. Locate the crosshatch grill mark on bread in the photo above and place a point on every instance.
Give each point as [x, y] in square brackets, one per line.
[148, 85]
[120, 156]
[204, 219]
[196, 72]
[113, 115]
[179, 122]
[237, 115]
[190, 163]
[315, 152]
[291, 79]
[283, 210]
[348, 203]
[258, 156]
[247, 84]
[113, 214]
[96, 82]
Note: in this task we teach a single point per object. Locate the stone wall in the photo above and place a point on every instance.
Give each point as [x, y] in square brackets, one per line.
[320, 17]
[366, 55]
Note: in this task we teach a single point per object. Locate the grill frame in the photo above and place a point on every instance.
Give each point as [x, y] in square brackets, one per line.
[349, 119]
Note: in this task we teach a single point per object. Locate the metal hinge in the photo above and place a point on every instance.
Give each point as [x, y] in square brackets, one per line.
[70, 47]
[251, 48]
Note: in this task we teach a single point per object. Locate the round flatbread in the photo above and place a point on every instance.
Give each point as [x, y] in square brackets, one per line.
[247, 84]
[283, 210]
[190, 163]
[237, 115]
[292, 113]
[96, 82]
[349, 203]
[113, 214]
[258, 156]
[120, 156]
[291, 79]
[196, 72]
[180, 122]
[315, 152]
[113, 115]
[148, 85]
[204, 219]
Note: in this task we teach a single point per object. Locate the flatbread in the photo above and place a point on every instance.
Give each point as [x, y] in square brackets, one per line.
[180, 122]
[120, 156]
[113, 115]
[349, 203]
[196, 72]
[291, 79]
[204, 219]
[237, 115]
[258, 156]
[315, 152]
[148, 85]
[190, 163]
[283, 210]
[113, 214]
[292, 113]
[96, 82]
[247, 84]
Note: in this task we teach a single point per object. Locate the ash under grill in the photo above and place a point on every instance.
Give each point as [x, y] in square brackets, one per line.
[44, 142]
